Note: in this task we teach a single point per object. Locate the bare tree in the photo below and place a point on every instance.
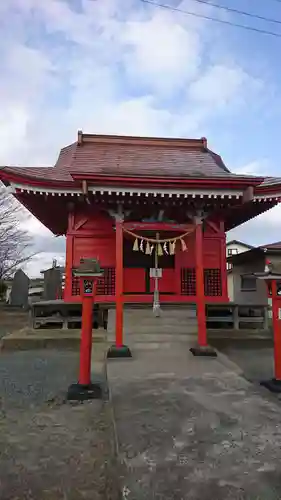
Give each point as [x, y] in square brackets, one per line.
[15, 241]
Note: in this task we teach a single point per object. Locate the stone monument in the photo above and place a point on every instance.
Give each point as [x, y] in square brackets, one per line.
[19, 291]
[52, 283]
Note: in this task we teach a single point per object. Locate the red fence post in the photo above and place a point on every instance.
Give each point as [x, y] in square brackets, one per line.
[274, 384]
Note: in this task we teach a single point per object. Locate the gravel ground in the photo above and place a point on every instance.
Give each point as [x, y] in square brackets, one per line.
[50, 449]
[11, 320]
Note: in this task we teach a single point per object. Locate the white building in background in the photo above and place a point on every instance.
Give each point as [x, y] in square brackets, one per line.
[234, 247]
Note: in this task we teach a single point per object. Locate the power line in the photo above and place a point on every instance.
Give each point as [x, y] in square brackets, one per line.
[236, 11]
[215, 19]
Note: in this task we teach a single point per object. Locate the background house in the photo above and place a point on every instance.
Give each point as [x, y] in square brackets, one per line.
[233, 247]
[246, 288]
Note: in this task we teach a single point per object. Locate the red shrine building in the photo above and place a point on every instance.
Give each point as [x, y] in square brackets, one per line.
[154, 211]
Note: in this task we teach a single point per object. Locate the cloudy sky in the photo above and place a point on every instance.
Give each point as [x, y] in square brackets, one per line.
[128, 67]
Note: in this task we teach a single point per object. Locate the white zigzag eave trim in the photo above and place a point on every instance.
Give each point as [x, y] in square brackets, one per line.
[138, 192]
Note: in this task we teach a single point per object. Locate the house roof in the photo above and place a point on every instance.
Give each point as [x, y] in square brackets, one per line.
[237, 242]
[255, 252]
[272, 246]
[109, 155]
[241, 257]
[57, 268]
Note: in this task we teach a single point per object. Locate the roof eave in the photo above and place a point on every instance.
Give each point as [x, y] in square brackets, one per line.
[271, 189]
[190, 181]
[8, 177]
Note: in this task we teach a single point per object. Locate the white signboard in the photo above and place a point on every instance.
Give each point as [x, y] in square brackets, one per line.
[155, 273]
[279, 313]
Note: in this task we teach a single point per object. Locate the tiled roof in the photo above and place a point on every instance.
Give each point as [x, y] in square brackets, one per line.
[271, 181]
[144, 161]
[130, 156]
[43, 173]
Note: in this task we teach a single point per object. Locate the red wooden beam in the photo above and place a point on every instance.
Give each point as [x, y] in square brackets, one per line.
[213, 226]
[157, 226]
[81, 223]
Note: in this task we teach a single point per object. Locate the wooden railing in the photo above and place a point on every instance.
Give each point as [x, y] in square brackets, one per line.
[237, 317]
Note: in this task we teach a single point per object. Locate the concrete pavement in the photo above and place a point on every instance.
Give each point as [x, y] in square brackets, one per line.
[191, 428]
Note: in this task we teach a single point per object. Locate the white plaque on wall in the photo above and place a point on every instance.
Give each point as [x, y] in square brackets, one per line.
[155, 273]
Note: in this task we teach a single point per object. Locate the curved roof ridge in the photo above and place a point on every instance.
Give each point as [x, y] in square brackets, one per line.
[65, 156]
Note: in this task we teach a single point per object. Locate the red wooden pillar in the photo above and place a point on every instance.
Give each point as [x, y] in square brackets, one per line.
[69, 259]
[202, 348]
[200, 290]
[119, 284]
[68, 268]
[178, 270]
[119, 350]
[223, 265]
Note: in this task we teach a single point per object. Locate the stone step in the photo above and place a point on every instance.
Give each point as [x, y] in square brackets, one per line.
[156, 331]
[181, 313]
[143, 330]
[141, 346]
[164, 306]
[145, 322]
[156, 337]
[159, 322]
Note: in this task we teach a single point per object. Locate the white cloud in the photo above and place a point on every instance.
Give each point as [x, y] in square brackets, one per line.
[223, 84]
[34, 226]
[41, 262]
[110, 69]
[162, 54]
[255, 167]
[271, 220]
[266, 227]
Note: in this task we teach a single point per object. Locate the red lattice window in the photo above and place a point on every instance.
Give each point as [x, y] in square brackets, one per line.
[75, 286]
[188, 281]
[105, 286]
[212, 282]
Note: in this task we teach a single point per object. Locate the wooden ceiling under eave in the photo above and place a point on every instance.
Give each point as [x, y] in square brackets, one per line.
[51, 211]
[236, 216]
